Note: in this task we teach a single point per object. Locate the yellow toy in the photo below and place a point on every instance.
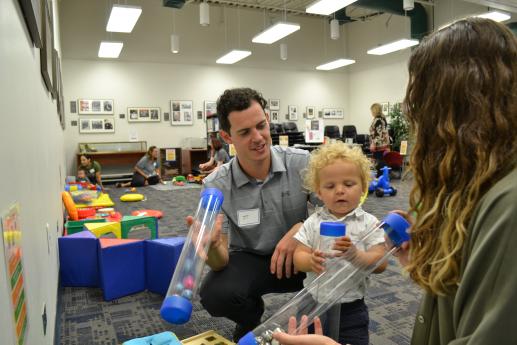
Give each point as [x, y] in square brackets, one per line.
[132, 197]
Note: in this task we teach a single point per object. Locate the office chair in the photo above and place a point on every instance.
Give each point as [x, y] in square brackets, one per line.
[332, 132]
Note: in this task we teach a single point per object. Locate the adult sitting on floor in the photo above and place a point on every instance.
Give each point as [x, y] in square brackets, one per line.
[92, 169]
[218, 157]
[147, 170]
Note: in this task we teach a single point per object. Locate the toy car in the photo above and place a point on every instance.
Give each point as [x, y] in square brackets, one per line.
[382, 186]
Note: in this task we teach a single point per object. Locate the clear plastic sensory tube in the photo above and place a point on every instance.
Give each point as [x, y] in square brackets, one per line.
[336, 283]
[177, 306]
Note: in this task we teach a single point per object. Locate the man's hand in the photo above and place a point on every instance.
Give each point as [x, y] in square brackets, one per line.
[284, 254]
[214, 238]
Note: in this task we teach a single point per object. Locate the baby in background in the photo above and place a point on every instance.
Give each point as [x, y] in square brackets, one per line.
[339, 175]
[81, 176]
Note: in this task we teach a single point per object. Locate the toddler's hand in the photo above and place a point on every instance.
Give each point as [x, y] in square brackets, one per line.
[345, 246]
[317, 262]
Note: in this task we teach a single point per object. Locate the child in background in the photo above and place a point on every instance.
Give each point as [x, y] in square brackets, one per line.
[339, 176]
[81, 176]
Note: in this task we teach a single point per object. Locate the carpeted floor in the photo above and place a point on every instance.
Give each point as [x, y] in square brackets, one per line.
[85, 319]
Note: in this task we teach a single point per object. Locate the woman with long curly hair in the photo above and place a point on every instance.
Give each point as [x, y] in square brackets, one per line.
[462, 107]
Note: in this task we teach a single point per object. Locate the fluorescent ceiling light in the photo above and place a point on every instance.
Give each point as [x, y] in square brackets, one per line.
[326, 7]
[276, 32]
[335, 64]
[110, 49]
[123, 18]
[233, 56]
[497, 16]
[392, 47]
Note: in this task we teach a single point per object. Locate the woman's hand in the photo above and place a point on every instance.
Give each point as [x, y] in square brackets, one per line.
[403, 253]
[301, 337]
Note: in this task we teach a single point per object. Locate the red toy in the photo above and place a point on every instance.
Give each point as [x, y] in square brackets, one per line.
[87, 212]
[148, 213]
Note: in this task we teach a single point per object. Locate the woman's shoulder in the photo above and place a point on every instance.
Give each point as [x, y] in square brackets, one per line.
[497, 209]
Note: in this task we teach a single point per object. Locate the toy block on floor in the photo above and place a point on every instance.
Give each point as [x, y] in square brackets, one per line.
[100, 229]
[139, 223]
[78, 260]
[75, 226]
[161, 257]
[121, 267]
[164, 338]
[207, 338]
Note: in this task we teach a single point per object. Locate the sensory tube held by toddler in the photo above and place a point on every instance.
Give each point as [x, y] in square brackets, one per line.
[333, 282]
[177, 305]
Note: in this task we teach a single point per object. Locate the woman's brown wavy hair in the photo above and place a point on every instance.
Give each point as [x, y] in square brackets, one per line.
[462, 108]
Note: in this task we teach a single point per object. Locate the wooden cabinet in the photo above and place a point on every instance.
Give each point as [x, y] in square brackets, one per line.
[117, 159]
[191, 158]
[170, 162]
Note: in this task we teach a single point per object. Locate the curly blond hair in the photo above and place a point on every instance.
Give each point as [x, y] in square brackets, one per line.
[462, 106]
[330, 153]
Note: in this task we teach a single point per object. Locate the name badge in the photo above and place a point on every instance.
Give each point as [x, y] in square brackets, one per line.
[248, 217]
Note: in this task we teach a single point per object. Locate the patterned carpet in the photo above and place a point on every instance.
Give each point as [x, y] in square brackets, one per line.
[85, 319]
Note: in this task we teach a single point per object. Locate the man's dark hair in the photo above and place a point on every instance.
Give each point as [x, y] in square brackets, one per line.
[236, 100]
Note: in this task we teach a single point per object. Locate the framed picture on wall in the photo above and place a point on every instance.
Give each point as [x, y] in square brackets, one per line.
[333, 113]
[32, 13]
[274, 114]
[182, 113]
[96, 125]
[274, 104]
[47, 46]
[210, 108]
[311, 112]
[95, 106]
[292, 111]
[143, 114]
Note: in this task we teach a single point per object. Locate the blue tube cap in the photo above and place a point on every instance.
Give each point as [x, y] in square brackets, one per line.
[176, 309]
[396, 228]
[333, 229]
[212, 199]
[248, 339]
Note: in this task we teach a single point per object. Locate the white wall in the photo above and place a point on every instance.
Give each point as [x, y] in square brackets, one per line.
[32, 159]
[152, 84]
[375, 78]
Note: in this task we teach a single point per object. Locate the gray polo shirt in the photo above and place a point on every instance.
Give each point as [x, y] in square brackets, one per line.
[221, 156]
[147, 165]
[260, 213]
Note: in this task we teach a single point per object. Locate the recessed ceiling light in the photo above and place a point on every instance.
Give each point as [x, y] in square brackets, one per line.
[392, 47]
[497, 16]
[110, 49]
[123, 18]
[335, 64]
[276, 32]
[326, 7]
[233, 56]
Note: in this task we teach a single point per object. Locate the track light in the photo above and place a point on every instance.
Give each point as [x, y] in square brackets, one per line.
[175, 44]
[409, 5]
[204, 14]
[334, 29]
[283, 51]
